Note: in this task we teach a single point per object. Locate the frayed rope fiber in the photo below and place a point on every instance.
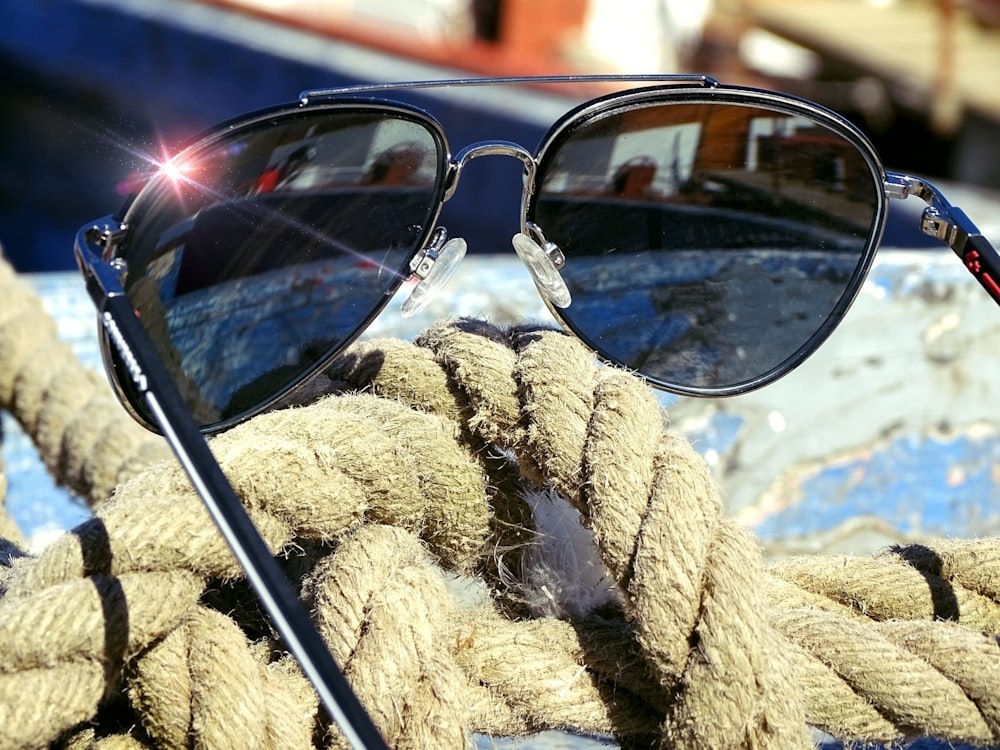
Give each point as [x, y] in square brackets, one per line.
[399, 510]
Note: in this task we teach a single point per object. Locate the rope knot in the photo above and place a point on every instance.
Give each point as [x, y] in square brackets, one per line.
[402, 508]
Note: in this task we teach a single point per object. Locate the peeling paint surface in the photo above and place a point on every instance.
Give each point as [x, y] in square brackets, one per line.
[893, 420]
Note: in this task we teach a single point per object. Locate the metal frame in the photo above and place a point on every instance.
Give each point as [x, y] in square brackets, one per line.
[748, 97]
[953, 227]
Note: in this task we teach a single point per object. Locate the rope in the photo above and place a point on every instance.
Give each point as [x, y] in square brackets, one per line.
[83, 437]
[8, 528]
[400, 510]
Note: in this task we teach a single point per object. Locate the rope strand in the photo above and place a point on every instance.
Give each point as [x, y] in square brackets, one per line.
[87, 442]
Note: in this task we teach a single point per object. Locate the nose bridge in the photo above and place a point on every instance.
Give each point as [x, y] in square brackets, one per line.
[490, 148]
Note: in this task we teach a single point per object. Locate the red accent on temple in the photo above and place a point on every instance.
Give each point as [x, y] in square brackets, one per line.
[991, 285]
[973, 261]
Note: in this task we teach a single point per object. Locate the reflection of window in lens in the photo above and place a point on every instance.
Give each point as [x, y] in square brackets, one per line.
[628, 156]
[337, 156]
[331, 151]
[662, 157]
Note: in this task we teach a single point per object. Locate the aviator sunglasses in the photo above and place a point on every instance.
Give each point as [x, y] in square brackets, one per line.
[707, 237]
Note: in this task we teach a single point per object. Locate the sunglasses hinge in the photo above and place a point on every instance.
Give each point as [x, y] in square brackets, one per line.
[105, 235]
[934, 224]
[898, 186]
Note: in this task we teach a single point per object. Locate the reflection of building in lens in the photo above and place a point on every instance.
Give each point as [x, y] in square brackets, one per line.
[816, 157]
[634, 178]
[397, 165]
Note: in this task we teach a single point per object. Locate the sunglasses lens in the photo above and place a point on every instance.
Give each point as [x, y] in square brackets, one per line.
[708, 245]
[253, 255]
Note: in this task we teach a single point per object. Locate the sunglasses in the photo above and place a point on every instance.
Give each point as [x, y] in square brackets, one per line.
[707, 237]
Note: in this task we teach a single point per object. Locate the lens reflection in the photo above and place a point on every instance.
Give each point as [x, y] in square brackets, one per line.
[705, 243]
[256, 254]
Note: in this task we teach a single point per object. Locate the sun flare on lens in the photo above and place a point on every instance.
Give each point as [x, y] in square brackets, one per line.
[174, 170]
[176, 173]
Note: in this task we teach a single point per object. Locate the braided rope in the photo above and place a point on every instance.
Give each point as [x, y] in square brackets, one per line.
[380, 501]
[8, 528]
[65, 408]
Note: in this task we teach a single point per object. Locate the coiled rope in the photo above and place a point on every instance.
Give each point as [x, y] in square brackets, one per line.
[400, 510]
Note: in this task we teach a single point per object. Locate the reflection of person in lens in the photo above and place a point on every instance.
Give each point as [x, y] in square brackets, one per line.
[398, 165]
[634, 178]
[280, 173]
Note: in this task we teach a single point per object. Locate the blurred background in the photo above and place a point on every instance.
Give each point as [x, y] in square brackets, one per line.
[90, 89]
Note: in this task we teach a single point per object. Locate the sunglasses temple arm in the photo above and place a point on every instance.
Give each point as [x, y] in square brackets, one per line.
[953, 227]
[272, 588]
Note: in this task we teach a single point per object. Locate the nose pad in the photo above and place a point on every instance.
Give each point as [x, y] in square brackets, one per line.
[434, 267]
[542, 267]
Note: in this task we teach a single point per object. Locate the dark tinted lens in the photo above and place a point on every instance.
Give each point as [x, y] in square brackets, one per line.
[706, 244]
[253, 256]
